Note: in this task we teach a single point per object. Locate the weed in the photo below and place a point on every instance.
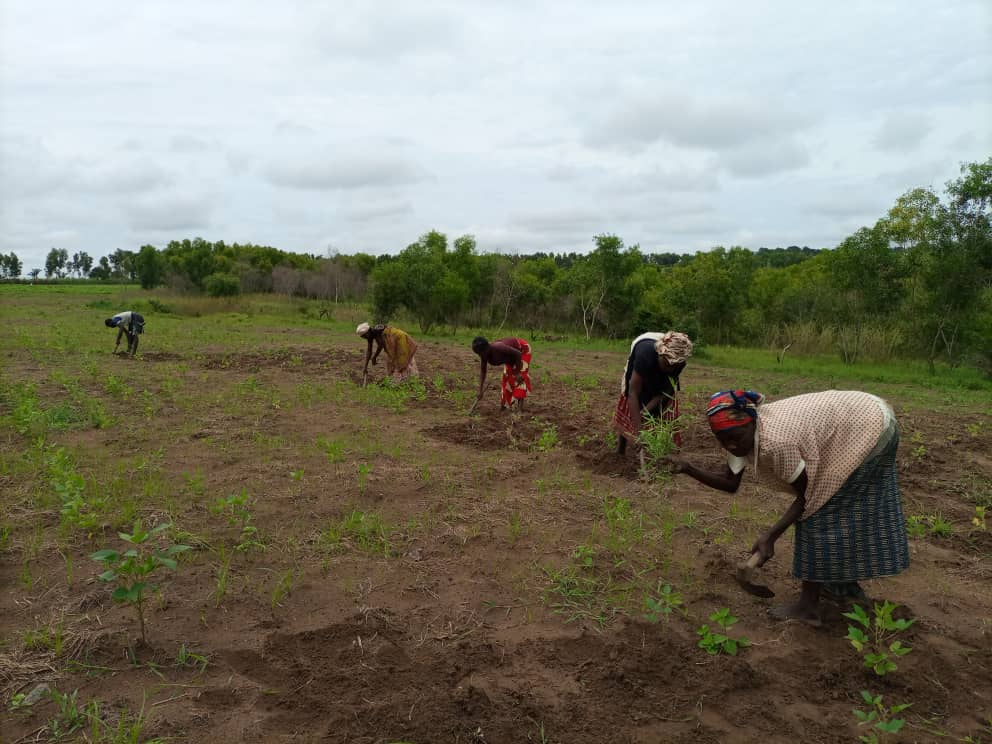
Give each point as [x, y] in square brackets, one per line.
[584, 555]
[916, 526]
[918, 452]
[363, 476]
[979, 519]
[438, 383]
[296, 475]
[578, 594]
[332, 448]
[872, 639]
[423, 473]
[187, 658]
[689, 519]
[880, 717]
[626, 527]
[195, 483]
[363, 530]
[514, 526]
[717, 642]
[69, 716]
[657, 437]
[940, 527]
[76, 511]
[665, 603]
[131, 569]
[237, 508]
[283, 588]
[46, 639]
[548, 439]
[223, 575]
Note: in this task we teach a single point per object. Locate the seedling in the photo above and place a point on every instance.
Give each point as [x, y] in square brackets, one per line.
[363, 476]
[238, 514]
[872, 639]
[879, 717]
[716, 642]
[940, 527]
[979, 519]
[665, 603]
[131, 569]
[916, 526]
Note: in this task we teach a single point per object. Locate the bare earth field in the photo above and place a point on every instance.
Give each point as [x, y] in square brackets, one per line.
[401, 572]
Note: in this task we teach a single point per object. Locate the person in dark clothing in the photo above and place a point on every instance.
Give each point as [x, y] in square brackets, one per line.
[130, 324]
[650, 382]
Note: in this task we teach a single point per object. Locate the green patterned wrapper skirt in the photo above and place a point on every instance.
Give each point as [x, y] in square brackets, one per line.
[860, 532]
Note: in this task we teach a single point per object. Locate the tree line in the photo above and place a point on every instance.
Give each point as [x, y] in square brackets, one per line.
[918, 282]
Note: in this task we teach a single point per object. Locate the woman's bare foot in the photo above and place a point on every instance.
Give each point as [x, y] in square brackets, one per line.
[797, 611]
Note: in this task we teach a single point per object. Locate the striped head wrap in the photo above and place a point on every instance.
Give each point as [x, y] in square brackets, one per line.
[732, 408]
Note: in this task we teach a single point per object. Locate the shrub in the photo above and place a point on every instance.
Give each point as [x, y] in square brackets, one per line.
[222, 285]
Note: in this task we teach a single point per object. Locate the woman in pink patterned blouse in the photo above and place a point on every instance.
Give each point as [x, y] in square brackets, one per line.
[836, 450]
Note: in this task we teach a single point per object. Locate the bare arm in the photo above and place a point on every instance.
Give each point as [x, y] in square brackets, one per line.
[765, 545]
[120, 332]
[728, 480]
[368, 354]
[634, 400]
[378, 340]
[482, 377]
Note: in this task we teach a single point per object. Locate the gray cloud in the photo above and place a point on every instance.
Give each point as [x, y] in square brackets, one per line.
[172, 212]
[342, 170]
[903, 131]
[688, 120]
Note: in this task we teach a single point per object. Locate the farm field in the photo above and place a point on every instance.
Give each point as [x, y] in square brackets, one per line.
[373, 565]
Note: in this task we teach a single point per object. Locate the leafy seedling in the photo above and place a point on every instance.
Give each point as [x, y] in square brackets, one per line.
[720, 642]
[130, 570]
[874, 639]
[879, 717]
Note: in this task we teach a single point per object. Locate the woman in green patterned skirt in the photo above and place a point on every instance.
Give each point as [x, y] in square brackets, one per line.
[836, 450]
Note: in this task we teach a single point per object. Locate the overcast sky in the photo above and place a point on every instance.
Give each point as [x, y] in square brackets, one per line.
[306, 125]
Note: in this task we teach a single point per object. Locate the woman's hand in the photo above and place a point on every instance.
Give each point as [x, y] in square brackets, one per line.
[765, 547]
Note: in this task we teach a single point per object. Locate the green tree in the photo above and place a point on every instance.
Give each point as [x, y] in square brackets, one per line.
[56, 262]
[149, 266]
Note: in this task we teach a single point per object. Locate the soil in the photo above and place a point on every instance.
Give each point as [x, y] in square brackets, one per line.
[449, 634]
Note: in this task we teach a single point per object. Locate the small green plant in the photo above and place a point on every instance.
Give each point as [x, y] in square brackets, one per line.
[874, 639]
[584, 556]
[46, 639]
[979, 519]
[438, 382]
[666, 601]
[187, 658]
[716, 642]
[940, 527]
[130, 570]
[69, 716]
[363, 530]
[515, 526]
[548, 439]
[296, 475]
[283, 588]
[879, 717]
[223, 575]
[238, 511]
[363, 476]
[918, 452]
[916, 526]
[332, 448]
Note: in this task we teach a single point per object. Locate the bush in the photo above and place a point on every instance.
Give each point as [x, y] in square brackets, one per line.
[222, 285]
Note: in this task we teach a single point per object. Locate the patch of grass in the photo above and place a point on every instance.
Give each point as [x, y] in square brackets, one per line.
[548, 439]
[364, 531]
[333, 449]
